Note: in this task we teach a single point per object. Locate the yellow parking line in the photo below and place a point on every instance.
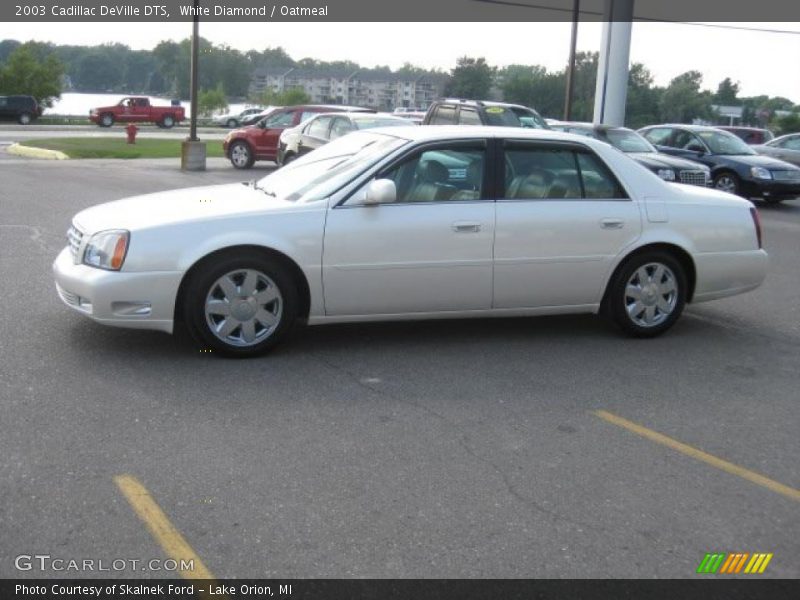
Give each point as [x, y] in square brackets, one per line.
[169, 538]
[697, 454]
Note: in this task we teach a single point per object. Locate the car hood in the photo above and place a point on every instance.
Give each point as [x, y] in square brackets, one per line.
[758, 160]
[655, 160]
[177, 206]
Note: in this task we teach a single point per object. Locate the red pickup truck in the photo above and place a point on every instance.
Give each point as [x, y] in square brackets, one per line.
[137, 109]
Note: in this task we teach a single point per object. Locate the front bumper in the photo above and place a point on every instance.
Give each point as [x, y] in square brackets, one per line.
[136, 300]
[771, 189]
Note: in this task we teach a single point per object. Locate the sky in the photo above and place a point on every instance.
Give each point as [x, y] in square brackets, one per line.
[763, 63]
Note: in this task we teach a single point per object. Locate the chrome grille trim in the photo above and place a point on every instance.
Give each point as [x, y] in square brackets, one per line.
[693, 177]
[786, 175]
[74, 238]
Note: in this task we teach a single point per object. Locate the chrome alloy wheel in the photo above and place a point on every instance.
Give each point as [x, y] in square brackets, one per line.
[726, 183]
[243, 307]
[651, 294]
[240, 155]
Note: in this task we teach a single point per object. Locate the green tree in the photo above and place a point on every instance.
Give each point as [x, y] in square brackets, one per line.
[286, 98]
[727, 92]
[211, 101]
[683, 101]
[786, 124]
[642, 106]
[471, 78]
[28, 71]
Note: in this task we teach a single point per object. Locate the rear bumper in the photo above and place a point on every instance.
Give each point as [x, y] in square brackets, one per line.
[136, 300]
[721, 274]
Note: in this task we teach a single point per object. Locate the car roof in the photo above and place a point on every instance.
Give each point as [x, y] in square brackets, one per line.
[587, 126]
[480, 103]
[741, 128]
[360, 115]
[456, 132]
[685, 126]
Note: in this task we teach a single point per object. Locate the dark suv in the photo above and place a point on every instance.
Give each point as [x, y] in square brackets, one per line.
[451, 111]
[735, 166]
[22, 109]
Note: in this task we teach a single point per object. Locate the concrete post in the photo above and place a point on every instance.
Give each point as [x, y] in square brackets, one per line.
[612, 73]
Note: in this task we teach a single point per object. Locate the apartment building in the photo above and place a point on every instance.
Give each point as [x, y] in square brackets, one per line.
[373, 89]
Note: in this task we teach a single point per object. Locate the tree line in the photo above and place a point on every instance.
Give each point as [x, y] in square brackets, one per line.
[44, 70]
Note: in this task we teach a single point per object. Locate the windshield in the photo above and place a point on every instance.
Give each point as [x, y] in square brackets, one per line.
[320, 173]
[530, 118]
[628, 141]
[722, 142]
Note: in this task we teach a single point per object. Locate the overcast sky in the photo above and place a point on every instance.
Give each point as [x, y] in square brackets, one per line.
[764, 63]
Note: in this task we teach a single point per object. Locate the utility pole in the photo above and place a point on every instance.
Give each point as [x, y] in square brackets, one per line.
[193, 151]
[576, 10]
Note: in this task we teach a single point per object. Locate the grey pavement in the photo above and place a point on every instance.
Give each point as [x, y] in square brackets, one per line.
[425, 449]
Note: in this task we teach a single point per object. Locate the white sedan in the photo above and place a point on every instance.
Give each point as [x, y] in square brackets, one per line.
[413, 223]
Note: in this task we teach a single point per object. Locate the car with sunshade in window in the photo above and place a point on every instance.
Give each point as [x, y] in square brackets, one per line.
[412, 222]
[736, 168]
[785, 147]
[669, 168]
[455, 111]
[244, 146]
[326, 127]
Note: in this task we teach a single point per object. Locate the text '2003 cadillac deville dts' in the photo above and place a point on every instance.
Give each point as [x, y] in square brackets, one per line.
[412, 223]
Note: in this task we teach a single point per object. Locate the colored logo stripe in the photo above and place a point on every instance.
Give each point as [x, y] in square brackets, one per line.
[734, 562]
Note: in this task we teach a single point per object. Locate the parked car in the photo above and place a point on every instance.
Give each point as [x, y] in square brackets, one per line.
[452, 111]
[406, 223]
[735, 166]
[669, 168]
[413, 116]
[326, 127]
[22, 109]
[233, 120]
[786, 147]
[137, 109]
[260, 141]
[256, 117]
[749, 135]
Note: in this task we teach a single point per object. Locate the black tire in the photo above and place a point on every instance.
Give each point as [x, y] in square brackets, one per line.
[203, 285]
[25, 118]
[728, 181]
[232, 124]
[622, 306]
[106, 120]
[289, 158]
[241, 155]
[168, 121]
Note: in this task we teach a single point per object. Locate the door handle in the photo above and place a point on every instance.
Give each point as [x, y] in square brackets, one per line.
[612, 223]
[466, 227]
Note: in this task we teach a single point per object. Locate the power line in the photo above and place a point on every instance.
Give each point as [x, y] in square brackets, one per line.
[640, 19]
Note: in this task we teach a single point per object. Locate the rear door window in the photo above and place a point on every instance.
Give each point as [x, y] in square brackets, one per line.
[444, 115]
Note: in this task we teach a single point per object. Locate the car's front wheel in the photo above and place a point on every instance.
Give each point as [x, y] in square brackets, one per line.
[728, 182]
[647, 294]
[168, 121]
[24, 118]
[240, 306]
[106, 120]
[241, 155]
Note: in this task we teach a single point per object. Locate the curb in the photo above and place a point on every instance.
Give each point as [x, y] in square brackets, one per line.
[31, 152]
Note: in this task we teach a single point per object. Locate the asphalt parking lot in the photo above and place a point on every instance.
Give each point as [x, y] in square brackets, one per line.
[453, 449]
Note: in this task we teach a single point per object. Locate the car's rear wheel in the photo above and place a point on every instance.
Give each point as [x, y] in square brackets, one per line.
[24, 118]
[106, 120]
[232, 124]
[168, 121]
[241, 155]
[240, 306]
[647, 294]
[728, 182]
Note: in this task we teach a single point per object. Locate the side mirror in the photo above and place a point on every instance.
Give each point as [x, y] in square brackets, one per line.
[261, 124]
[380, 191]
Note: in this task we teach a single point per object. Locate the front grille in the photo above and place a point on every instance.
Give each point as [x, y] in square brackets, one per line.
[693, 177]
[786, 175]
[74, 238]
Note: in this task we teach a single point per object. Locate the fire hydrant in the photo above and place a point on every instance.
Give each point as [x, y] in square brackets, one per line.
[131, 131]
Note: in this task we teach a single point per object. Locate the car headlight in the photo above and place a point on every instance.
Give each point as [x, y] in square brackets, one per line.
[666, 174]
[760, 173]
[107, 249]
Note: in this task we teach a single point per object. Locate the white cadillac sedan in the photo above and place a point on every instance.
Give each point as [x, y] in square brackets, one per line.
[413, 223]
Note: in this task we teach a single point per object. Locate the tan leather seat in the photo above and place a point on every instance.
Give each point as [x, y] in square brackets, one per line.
[474, 179]
[564, 187]
[431, 183]
[530, 186]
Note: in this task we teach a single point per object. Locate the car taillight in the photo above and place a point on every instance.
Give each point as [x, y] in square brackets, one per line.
[756, 224]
